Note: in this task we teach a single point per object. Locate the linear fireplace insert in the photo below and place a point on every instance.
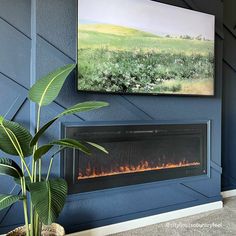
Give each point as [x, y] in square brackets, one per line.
[138, 153]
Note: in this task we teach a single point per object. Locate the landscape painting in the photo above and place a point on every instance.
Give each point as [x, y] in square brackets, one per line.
[145, 47]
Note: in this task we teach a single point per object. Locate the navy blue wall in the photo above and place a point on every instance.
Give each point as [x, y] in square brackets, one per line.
[43, 36]
[229, 98]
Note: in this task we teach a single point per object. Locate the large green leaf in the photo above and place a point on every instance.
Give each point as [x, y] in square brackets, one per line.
[99, 147]
[48, 198]
[42, 151]
[12, 140]
[46, 89]
[80, 107]
[71, 143]
[84, 106]
[41, 131]
[9, 167]
[64, 143]
[16, 131]
[8, 200]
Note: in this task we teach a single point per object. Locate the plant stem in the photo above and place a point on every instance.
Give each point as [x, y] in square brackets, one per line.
[37, 129]
[32, 212]
[35, 215]
[36, 223]
[25, 209]
[39, 170]
[38, 119]
[32, 219]
[24, 195]
[35, 171]
[49, 168]
[27, 168]
[51, 162]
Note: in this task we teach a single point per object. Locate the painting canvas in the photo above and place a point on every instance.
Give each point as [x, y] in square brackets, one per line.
[144, 47]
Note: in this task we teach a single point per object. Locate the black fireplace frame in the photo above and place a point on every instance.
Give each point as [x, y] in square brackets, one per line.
[67, 163]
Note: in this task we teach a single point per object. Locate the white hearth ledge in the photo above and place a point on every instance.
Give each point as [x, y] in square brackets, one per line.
[229, 193]
[150, 220]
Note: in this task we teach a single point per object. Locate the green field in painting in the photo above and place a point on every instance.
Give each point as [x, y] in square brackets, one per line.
[120, 59]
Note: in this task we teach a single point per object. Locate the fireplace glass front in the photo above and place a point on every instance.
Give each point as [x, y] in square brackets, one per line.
[137, 154]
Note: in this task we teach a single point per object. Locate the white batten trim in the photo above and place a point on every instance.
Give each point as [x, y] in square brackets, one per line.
[150, 220]
[229, 193]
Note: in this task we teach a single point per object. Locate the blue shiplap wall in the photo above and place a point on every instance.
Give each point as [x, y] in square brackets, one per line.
[42, 34]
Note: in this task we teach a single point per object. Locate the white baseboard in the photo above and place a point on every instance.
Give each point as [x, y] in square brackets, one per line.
[150, 220]
[229, 193]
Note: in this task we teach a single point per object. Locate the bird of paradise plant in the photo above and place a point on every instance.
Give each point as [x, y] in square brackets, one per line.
[43, 198]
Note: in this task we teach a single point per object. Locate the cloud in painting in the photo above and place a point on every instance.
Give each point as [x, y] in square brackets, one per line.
[149, 16]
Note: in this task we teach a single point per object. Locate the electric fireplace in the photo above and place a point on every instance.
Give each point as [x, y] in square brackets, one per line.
[138, 153]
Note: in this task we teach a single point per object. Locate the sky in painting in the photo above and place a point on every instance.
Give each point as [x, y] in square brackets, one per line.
[147, 15]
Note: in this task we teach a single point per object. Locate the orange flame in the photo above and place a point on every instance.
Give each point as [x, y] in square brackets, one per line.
[141, 167]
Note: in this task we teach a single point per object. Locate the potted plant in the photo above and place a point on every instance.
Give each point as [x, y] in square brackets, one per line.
[42, 197]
